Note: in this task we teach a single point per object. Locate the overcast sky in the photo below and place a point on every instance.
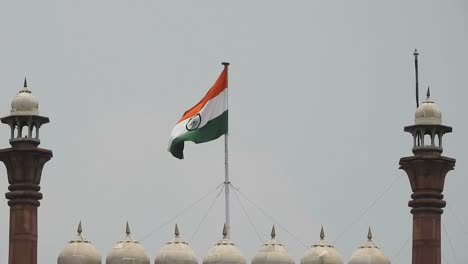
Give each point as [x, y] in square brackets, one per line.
[319, 94]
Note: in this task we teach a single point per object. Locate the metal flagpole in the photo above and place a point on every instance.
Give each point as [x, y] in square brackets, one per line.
[416, 54]
[227, 183]
[417, 79]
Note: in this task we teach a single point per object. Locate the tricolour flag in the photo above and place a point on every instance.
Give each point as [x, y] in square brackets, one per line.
[205, 121]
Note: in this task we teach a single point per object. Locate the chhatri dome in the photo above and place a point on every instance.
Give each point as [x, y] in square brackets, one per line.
[128, 251]
[176, 251]
[369, 253]
[79, 250]
[224, 252]
[322, 253]
[24, 103]
[428, 113]
[272, 252]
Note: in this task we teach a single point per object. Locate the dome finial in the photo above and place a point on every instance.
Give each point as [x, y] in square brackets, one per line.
[127, 250]
[80, 229]
[127, 229]
[322, 233]
[273, 232]
[225, 231]
[428, 94]
[176, 231]
[25, 86]
[369, 234]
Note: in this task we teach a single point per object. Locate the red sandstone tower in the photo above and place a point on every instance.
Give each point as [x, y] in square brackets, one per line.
[24, 162]
[426, 171]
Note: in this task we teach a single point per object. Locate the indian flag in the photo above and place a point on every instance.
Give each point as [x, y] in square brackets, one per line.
[205, 121]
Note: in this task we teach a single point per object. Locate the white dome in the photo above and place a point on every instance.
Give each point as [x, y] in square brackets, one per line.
[272, 252]
[24, 103]
[224, 252]
[176, 251]
[428, 113]
[79, 251]
[322, 253]
[128, 251]
[369, 253]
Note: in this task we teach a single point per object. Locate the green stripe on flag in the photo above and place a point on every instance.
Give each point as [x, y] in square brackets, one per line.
[211, 131]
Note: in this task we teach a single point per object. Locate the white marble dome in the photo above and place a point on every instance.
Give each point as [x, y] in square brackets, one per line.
[79, 251]
[224, 252]
[176, 251]
[127, 251]
[272, 252]
[428, 113]
[322, 253]
[369, 253]
[24, 103]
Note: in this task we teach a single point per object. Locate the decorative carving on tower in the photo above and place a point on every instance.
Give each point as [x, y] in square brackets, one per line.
[426, 171]
[24, 162]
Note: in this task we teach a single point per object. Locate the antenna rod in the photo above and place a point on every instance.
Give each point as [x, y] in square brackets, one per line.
[227, 183]
[417, 78]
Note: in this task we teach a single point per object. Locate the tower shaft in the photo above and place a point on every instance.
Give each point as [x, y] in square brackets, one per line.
[24, 163]
[426, 172]
[23, 234]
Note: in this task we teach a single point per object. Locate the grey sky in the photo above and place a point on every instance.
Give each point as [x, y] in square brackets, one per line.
[319, 94]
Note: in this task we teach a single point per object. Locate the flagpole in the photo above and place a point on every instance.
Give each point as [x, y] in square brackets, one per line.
[416, 73]
[226, 163]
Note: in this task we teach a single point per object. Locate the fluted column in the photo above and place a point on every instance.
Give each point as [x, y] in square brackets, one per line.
[426, 172]
[24, 162]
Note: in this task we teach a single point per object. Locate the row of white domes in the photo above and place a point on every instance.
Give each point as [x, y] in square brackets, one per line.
[176, 251]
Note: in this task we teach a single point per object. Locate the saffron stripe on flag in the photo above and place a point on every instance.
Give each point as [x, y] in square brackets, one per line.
[219, 86]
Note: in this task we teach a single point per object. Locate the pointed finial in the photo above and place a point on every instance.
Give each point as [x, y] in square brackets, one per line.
[428, 94]
[25, 85]
[225, 231]
[322, 234]
[176, 231]
[416, 53]
[273, 232]
[369, 234]
[80, 229]
[127, 229]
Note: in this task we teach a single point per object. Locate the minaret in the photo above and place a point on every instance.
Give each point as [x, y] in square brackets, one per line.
[24, 162]
[426, 171]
